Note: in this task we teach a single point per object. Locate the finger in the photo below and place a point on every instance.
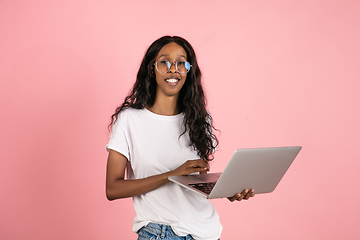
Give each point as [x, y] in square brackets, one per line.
[242, 195]
[252, 193]
[203, 165]
[199, 168]
[192, 163]
[200, 162]
[196, 169]
[231, 199]
[249, 194]
[235, 197]
[199, 165]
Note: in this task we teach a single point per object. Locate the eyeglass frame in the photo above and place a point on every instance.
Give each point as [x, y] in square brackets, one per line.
[171, 63]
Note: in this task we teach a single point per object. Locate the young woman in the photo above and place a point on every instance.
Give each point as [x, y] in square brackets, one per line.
[163, 129]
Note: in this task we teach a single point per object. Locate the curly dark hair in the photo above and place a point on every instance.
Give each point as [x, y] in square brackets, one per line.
[191, 102]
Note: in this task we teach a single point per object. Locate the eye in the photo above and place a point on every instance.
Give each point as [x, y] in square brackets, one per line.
[180, 63]
[164, 63]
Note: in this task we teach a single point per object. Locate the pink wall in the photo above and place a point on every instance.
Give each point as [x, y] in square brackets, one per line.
[276, 73]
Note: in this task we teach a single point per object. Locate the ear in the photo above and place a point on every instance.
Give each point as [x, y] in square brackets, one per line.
[152, 72]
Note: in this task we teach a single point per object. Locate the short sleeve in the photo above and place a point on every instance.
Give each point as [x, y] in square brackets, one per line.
[118, 140]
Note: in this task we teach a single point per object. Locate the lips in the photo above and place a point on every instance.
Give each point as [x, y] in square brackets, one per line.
[172, 80]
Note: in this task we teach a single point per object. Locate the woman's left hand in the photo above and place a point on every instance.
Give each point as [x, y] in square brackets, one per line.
[245, 194]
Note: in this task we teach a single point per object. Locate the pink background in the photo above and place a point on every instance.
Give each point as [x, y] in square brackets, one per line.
[277, 73]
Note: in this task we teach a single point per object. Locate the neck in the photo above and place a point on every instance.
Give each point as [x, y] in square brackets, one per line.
[165, 106]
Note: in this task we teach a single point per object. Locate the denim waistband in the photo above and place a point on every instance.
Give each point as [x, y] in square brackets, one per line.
[164, 231]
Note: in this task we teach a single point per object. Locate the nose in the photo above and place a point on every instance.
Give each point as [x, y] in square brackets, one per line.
[172, 68]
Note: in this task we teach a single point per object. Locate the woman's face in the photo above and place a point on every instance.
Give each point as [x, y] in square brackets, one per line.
[171, 82]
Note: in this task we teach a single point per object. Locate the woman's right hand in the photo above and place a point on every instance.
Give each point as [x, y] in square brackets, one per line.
[190, 166]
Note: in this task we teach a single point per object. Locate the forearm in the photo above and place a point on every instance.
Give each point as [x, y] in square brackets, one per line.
[122, 188]
[117, 187]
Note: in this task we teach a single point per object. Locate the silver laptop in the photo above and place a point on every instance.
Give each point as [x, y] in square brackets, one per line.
[257, 168]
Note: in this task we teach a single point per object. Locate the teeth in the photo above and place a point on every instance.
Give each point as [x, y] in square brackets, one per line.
[172, 80]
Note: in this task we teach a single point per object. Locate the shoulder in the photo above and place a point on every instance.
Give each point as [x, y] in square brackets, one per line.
[130, 112]
[131, 115]
[128, 115]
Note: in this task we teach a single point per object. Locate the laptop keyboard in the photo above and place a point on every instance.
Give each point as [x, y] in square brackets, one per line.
[204, 187]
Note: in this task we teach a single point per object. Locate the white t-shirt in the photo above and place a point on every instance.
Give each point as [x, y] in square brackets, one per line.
[152, 146]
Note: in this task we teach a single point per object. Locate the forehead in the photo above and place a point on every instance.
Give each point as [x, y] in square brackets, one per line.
[172, 50]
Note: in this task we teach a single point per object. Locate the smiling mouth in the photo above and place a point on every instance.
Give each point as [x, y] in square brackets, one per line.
[172, 81]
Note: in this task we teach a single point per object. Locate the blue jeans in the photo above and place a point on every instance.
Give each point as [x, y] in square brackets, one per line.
[154, 231]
